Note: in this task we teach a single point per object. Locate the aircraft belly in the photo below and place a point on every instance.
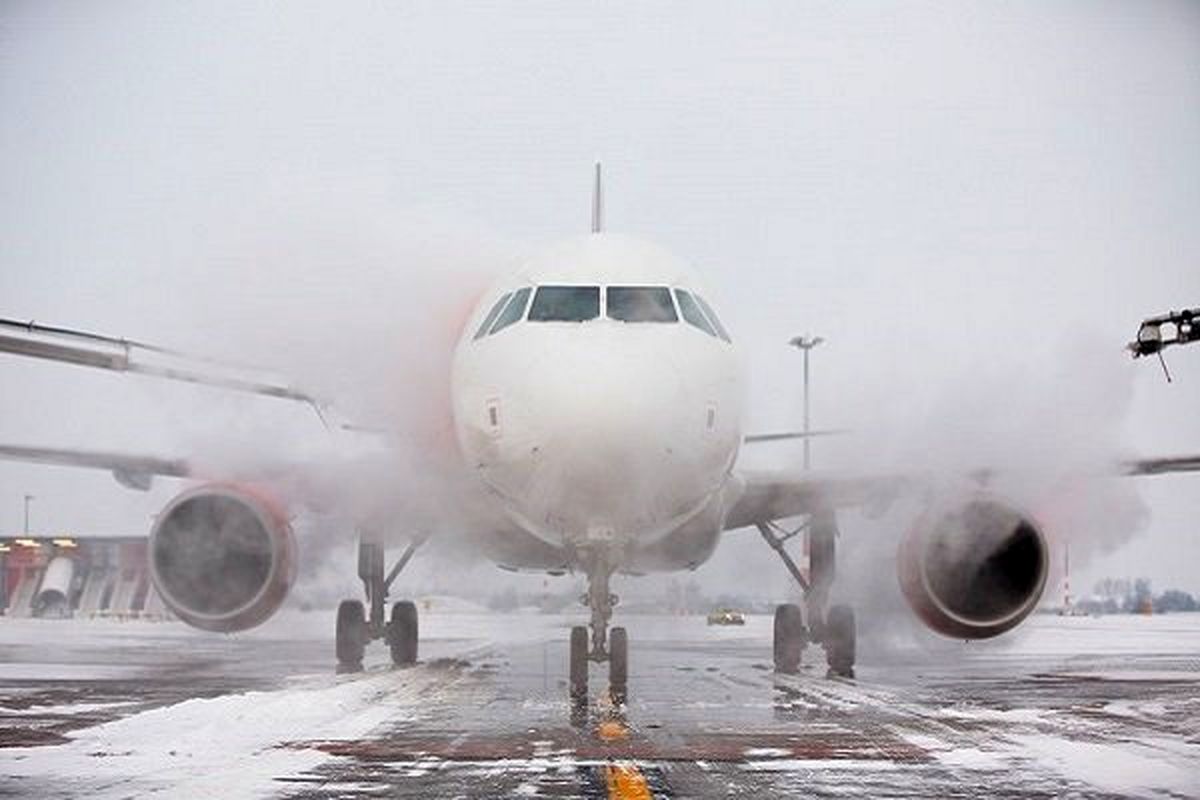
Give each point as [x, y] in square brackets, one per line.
[513, 547]
[684, 546]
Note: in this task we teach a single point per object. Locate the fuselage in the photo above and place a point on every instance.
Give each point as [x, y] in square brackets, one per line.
[599, 399]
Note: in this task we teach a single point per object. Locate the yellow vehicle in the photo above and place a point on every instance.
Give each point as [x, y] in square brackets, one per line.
[726, 616]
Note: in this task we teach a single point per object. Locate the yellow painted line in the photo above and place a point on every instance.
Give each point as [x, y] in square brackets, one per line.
[626, 782]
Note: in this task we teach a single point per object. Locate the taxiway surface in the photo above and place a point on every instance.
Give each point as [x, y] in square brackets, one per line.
[1069, 707]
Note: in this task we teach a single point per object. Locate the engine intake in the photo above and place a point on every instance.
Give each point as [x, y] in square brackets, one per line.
[973, 570]
[222, 558]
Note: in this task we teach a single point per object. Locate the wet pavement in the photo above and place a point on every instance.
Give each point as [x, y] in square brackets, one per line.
[1072, 707]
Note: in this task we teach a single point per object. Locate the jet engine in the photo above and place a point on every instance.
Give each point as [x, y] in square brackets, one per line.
[973, 569]
[222, 557]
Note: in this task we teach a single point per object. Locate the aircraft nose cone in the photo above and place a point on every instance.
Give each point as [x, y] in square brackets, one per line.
[611, 448]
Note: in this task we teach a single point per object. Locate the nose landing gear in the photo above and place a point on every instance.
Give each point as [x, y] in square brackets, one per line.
[612, 648]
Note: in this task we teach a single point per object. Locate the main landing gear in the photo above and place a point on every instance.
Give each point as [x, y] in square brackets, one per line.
[356, 628]
[833, 628]
[612, 648]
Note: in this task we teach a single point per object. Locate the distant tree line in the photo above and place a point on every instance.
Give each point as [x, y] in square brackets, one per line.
[1125, 596]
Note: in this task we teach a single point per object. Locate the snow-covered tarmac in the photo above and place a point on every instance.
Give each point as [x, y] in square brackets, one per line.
[1071, 707]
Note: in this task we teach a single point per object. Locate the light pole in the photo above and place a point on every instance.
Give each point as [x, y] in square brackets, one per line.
[806, 343]
[28, 497]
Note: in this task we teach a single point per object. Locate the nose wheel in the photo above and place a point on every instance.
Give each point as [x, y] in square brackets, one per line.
[579, 663]
[618, 665]
[605, 645]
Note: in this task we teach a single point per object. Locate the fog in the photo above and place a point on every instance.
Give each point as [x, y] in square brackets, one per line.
[974, 204]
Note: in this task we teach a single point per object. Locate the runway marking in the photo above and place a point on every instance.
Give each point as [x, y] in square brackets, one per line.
[611, 730]
[870, 743]
[626, 782]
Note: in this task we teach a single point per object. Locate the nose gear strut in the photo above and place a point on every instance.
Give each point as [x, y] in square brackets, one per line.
[601, 601]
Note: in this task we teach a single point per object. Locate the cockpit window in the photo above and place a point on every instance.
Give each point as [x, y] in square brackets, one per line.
[565, 304]
[513, 311]
[641, 304]
[491, 316]
[712, 317]
[692, 313]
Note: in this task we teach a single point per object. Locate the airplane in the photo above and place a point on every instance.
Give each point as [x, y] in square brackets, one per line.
[597, 407]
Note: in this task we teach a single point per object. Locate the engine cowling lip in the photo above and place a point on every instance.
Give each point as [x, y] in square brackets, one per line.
[275, 585]
[956, 624]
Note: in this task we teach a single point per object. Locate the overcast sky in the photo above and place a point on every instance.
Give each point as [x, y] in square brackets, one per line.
[974, 203]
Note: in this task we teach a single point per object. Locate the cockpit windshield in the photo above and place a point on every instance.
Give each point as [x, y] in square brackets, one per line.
[692, 313]
[513, 311]
[491, 316]
[656, 304]
[641, 304]
[712, 317]
[565, 304]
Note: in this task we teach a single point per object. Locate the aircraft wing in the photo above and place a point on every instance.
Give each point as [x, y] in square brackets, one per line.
[131, 471]
[98, 351]
[1162, 466]
[137, 471]
[767, 496]
[312, 485]
[754, 438]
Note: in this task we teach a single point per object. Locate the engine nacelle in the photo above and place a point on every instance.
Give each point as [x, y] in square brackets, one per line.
[974, 569]
[222, 557]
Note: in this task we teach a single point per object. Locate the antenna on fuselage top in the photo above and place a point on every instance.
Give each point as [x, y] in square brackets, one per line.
[598, 203]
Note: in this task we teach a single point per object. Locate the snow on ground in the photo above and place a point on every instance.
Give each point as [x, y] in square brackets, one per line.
[67, 710]
[1134, 768]
[1120, 634]
[225, 746]
[1150, 767]
[1073, 704]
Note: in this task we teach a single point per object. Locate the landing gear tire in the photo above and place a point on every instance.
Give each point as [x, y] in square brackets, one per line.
[402, 633]
[789, 638]
[351, 635]
[579, 664]
[618, 664]
[840, 641]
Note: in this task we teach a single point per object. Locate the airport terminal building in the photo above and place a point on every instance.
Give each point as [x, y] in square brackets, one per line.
[68, 576]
